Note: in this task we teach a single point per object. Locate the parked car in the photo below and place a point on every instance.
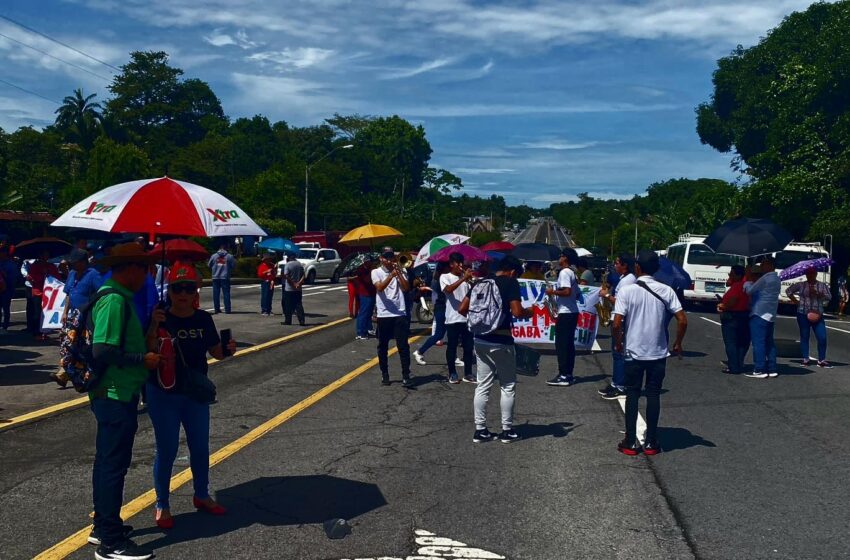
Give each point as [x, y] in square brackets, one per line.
[319, 263]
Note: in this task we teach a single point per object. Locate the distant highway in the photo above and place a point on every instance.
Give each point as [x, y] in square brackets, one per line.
[546, 230]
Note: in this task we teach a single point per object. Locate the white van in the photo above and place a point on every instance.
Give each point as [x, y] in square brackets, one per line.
[709, 270]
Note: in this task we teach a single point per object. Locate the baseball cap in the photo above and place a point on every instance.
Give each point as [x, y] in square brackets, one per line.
[78, 255]
[182, 272]
[387, 252]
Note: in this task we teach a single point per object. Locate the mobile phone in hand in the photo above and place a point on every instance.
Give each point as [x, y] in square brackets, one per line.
[225, 336]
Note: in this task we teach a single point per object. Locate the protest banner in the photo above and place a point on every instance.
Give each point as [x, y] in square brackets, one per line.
[540, 329]
[52, 304]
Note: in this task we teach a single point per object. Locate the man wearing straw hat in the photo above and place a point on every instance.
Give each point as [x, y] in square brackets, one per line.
[119, 343]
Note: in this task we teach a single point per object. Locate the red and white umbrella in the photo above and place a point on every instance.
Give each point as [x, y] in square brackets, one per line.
[160, 207]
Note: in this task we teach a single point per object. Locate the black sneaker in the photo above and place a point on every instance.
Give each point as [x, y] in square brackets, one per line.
[95, 540]
[612, 393]
[651, 448]
[385, 381]
[508, 436]
[127, 550]
[629, 448]
[407, 383]
[561, 381]
[481, 436]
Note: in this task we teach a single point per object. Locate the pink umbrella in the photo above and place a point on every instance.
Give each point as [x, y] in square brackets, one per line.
[470, 254]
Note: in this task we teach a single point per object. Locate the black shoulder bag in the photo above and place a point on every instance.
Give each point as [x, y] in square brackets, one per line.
[198, 386]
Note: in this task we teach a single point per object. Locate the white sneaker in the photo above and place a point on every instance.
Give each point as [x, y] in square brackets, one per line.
[458, 362]
[419, 359]
[756, 375]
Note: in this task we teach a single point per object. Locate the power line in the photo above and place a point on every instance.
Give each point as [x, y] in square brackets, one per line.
[28, 91]
[45, 53]
[58, 42]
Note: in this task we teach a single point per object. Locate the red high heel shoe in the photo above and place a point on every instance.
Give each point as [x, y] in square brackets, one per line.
[212, 510]
[167, 523]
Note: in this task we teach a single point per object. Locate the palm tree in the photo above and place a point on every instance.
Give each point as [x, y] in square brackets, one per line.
[80, 118]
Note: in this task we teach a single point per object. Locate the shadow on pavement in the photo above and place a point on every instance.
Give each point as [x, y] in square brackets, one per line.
[590, 378]
[274, 502]
[21, 370]
[787, 369]
[419, 380]
[555, 429]
[672, 439]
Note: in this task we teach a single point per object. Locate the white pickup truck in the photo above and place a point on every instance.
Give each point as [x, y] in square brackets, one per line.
[319, 263]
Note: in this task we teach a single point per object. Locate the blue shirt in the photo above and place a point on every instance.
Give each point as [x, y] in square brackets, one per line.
[764, 296]
[81, 290]
[11, 273]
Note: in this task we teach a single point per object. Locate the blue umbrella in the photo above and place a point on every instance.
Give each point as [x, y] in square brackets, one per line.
[672, 274]
[279, 245]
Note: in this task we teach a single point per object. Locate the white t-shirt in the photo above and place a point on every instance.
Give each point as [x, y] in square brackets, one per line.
[646, 318]
[454, 299]
[626, 280]
[567, 279]
[390, 302]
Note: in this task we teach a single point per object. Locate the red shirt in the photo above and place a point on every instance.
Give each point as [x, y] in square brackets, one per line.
[363, 285]
[266, 271]
[742, 300]
[37, 272]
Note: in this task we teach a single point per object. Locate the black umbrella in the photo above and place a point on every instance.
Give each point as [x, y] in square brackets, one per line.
[33, 248]
[536, 252]
[748, 237]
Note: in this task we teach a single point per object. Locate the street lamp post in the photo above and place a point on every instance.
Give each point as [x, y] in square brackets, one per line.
[307, 178]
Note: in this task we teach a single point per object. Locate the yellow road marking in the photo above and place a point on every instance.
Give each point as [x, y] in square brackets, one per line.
[83, 401]
[79, 539]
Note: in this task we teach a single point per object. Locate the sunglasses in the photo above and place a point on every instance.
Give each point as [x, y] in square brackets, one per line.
[183, 288]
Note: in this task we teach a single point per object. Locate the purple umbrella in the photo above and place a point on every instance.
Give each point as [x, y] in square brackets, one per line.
[470, 254]
[799, 269]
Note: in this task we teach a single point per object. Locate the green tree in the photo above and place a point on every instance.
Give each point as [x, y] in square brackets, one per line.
[782, 108]
[78, 119]
[111, 163]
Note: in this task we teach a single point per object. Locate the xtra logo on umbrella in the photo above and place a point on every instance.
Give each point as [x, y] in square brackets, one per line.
[97, 207]
[223, 215]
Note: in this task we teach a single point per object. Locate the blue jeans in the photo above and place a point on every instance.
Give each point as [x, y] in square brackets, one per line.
[764, 348]
[654, 370]
[618, 376]
[439, 331]
[219, 286]
[364, 315]
[117, 423]
[167, 412]
[806, 327]
[266, 296]
[736, 338]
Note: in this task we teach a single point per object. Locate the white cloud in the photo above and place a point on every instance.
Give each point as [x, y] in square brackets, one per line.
[219, 39]
[301, 102]
[421, 69]
[25, 111]
[558, 145]
[484, 170]
[299, 58]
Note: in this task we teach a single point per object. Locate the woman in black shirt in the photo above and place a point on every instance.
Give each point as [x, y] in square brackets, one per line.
[180, 393]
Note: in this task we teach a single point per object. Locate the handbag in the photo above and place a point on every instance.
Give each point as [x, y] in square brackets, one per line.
[527, 360]
[199, 387]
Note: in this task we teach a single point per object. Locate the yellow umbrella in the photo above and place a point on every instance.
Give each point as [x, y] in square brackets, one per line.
[369, 235]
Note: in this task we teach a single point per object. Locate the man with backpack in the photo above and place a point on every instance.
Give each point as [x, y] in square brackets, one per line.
[122, 364]
[489, 307]
[221, 265]
[640, 334]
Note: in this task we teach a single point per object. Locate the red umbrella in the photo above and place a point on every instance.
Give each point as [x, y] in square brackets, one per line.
[499, 246]
[470, 254]
[181, 250]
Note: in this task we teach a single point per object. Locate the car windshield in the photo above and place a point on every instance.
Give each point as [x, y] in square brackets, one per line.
[702, 255]
[307, 254]
[784, 259]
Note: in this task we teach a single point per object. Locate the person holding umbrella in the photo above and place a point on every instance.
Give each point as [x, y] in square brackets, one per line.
[180, 401]
[764, 304]
[266, 272]
[811, 297]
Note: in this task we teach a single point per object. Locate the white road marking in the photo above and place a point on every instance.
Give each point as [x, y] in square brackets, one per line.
[641, 423]
[247, 286]
[710, 321]
[837, 329]
[431, 546]
[596, 347]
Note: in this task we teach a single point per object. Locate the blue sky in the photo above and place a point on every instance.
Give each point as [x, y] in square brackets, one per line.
[533, 100]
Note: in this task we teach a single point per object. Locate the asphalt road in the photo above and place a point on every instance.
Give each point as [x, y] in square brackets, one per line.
[752, 468]
[546, 230]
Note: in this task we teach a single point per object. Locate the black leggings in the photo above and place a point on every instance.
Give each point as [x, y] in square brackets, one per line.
[459, 332]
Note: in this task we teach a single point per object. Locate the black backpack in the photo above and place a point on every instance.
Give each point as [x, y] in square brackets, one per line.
[78, 360]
